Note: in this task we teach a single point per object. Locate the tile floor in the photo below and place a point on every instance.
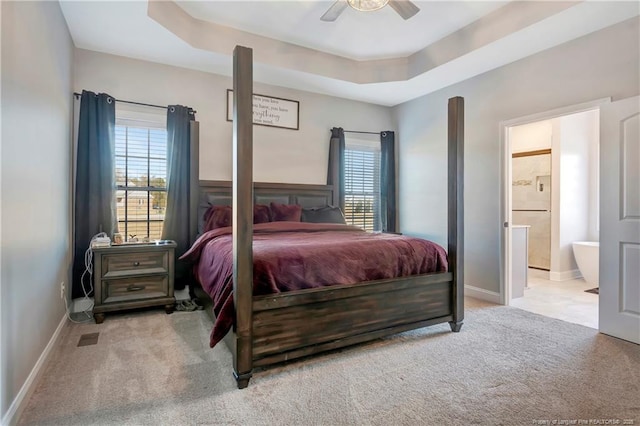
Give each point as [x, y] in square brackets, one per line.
[564, 300]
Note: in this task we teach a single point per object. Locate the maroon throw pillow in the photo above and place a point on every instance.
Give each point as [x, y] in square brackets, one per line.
[217, 217]
[221, 216]
[261, 213]
[285, 212]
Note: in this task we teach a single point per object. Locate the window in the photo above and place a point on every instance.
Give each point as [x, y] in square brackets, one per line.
[141, 178]
[362, 184]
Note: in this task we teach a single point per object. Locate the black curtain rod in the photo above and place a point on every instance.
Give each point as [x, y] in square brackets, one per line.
[357, 131]
[77, 95]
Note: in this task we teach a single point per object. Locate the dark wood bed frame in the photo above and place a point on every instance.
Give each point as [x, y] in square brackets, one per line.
[280, 327]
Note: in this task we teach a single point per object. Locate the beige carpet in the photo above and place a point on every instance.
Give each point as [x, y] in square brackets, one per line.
[506, 366]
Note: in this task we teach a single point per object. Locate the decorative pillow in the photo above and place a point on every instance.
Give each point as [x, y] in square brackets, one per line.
[221, 216]
[217, 217]
[327, 214]
[285, 212]
[261, 213]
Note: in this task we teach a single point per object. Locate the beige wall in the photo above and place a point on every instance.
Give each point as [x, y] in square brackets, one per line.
[565, 75]
[280, 155]
[36, 251]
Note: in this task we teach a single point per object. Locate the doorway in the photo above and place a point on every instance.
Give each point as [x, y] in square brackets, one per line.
[551, 200]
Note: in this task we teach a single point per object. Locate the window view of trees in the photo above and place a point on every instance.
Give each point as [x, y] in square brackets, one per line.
[141, 173]
[362, 188]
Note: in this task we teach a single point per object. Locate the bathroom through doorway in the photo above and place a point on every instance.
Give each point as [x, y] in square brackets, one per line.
[551, 188]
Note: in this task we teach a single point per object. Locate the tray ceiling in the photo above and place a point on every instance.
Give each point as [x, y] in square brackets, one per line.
[373, 57]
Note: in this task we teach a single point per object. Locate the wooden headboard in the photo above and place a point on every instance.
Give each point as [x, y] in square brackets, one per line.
[219, 193]
[204, 193]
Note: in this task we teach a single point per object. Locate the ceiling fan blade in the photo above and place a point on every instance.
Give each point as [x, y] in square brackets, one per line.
[334, 11]
[405, 8]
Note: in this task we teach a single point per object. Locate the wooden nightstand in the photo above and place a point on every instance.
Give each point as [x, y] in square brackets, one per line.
[129, 276]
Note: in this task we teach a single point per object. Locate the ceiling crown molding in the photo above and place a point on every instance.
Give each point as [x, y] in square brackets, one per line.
[221, 39]
[167, 33]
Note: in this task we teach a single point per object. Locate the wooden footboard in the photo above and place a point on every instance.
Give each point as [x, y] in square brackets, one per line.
[301, 323]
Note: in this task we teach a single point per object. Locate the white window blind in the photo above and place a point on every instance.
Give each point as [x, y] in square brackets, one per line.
[141, 178]
[362, 185]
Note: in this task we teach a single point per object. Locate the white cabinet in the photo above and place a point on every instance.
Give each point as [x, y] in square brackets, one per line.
[519, 259]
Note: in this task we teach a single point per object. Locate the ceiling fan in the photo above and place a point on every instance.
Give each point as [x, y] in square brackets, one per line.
[404, 8]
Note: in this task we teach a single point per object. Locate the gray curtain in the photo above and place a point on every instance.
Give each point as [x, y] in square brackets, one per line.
[176, 221]
[335, 175]
[95, 179]
[387, 181]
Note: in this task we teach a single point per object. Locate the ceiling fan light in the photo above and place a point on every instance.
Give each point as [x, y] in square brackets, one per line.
[367, 5]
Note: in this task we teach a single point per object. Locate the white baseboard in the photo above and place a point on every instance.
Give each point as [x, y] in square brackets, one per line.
[482, 294]
[538, 273]
[13, 413]
[565, 275]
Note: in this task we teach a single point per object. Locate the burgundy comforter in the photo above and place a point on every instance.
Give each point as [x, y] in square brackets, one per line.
[298, 255]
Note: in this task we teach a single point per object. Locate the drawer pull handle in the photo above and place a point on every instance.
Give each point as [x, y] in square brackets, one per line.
[135, 287]
[136, 263]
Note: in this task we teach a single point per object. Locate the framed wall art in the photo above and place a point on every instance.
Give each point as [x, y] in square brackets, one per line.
[270, 111]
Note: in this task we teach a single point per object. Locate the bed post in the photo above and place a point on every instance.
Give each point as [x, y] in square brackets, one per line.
[243, 212]
[456, 208]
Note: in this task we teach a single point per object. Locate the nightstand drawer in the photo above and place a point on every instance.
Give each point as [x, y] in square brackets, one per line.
[119, 265]
[122, 290]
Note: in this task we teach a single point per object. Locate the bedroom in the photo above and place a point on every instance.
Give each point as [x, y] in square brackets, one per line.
[56, 68]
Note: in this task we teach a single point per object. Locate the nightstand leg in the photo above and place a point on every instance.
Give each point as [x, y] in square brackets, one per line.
[169, 308]
[99, 318]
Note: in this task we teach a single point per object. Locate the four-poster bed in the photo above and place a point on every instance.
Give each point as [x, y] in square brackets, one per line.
[273, 328]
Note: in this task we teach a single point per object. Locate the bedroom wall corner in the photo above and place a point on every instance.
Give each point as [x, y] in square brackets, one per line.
[36, 99]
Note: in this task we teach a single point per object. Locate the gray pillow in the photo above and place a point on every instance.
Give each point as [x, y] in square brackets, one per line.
[326, 214]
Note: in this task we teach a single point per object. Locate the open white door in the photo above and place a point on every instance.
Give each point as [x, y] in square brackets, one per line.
[620, 219]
